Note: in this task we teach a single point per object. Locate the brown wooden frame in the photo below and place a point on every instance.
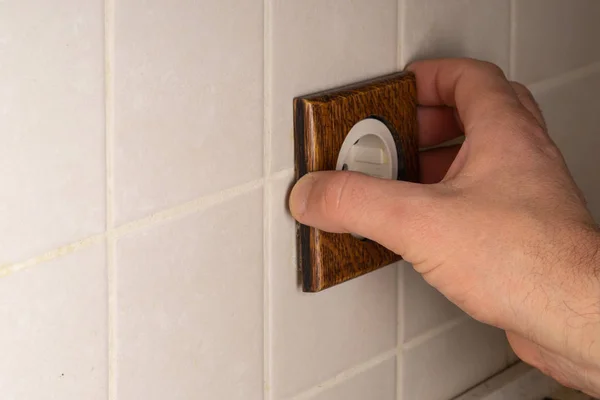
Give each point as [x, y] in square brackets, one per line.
[321, 122]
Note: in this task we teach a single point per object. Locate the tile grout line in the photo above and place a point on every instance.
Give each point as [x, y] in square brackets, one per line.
[190, 207]
[266, 293]
[563, 78]
[193, 206]
[399, 370]
[400, 266]
[400, 23]
[512, 40]
[281, 174]
[109, 107]
[109, 58]
[267, 162]
[10, 269]
[434, 332]
[346, 375]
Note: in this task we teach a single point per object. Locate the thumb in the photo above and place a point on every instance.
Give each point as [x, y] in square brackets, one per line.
[386, 211]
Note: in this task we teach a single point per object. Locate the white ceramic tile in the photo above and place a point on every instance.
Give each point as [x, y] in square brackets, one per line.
[519, 382]
[457, 28]
[571, 111]
[53, 339]
[424, 307]
[453, 361]
[190, 306]
[52, 125]
[188, 100]
[316, 336]
[319, 45]
[555, 36]
[378, 383]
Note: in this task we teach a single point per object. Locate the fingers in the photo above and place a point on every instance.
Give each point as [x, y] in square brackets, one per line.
[528, 101]
[344, 202]
[436, 163]
[437, 125]
[479, 91]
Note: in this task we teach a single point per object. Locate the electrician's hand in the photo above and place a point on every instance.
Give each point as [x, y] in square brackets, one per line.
[498, 225]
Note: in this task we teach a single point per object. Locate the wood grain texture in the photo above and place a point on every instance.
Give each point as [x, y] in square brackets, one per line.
[321, 123]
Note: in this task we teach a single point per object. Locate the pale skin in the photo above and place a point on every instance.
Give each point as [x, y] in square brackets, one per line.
[497, 225]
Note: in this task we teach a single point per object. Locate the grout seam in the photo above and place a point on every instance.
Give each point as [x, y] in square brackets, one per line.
[564, 78]
[434, 332]
[400, 266]
[284, 173]
[399, 372]
[266, 293]
[267, 164]
[188, 208]
[112, 317]
[109, 108]
[184, 209]
[512, 41]
[401, 21]
[346, 375]
[109, 54]
[10, 269]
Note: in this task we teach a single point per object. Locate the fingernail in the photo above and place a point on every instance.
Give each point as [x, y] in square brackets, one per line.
[300, 194]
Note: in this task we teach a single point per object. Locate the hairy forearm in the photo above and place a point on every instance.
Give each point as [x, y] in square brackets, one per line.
[560, 333]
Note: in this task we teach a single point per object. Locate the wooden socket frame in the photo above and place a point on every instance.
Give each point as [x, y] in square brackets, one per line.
[321, 123]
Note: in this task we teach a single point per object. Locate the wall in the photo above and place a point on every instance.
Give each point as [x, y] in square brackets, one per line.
[146, 155]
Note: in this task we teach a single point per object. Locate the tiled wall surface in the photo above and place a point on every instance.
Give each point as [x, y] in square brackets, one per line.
[146, 152]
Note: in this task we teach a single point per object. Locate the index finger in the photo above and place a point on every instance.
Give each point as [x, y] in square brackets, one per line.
[478, 90]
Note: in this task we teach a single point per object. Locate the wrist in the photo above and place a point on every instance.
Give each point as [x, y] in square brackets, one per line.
[561, 297]
[565, 324]
[581, 319]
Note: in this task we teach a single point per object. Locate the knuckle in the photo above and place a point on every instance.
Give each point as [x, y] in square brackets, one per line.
[552, 151]
[525, 94]
[529, 102]
[490, 68]
[521, 89]
[524, 125]
[530, 126]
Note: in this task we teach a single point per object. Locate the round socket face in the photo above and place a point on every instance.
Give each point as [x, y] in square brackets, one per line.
[369, 148]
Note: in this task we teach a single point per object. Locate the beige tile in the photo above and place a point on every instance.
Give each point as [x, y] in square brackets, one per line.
[571, 111]
[377, 383]
[519, 382]
[570, 394]
[53, 339]
[453, 361]
[319, 45]
[555, 36]
[188, 100]
[424, 307]
[457, 28]
[190, 298]
[52, 125]
[316, 336]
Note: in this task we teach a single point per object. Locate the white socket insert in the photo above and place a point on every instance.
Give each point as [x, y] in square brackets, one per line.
[369, 148]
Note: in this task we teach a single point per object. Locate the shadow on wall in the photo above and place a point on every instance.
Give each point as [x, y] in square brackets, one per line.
[295, 255]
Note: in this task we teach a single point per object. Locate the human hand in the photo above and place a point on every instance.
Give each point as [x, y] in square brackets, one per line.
[497, 225]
